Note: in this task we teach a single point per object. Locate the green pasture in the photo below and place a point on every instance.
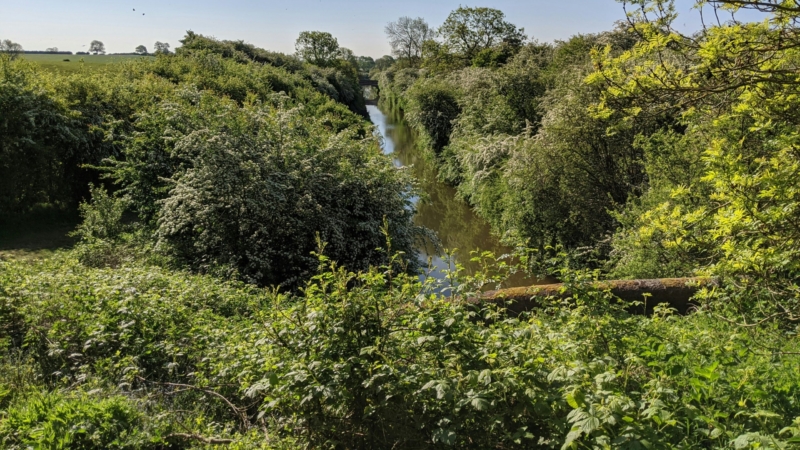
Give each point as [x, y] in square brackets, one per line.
[74, 63]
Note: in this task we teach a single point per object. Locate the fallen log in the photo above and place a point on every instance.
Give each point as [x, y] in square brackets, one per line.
[676, 292]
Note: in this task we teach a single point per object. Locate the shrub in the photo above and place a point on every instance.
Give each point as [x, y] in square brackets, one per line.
[76, 421]
[376, 359]
[432, 106]
[248, 188]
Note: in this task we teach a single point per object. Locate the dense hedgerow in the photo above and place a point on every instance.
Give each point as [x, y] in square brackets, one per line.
[233, 158]
[375, 360]
[520, 144]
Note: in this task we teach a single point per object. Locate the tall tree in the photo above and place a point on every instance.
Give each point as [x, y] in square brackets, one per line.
[161, 47]
[468, 31]
[97, 48]
[11, 48]
[317, 47]
[141, 50]
[406, 36]
[384, 62]
[365, 63]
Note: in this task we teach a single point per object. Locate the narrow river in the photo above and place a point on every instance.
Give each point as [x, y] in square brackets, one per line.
[439, 209]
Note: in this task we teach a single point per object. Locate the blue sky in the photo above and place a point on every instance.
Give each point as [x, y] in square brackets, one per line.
[358, 24]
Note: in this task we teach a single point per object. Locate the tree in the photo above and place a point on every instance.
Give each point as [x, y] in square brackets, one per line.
[468, 31]
[52, 49]
[347, 55]
[141, 50]
[97, 48]
[317, 47]
[406, 36]
[161, 48]
[11, 48]
[384, 62]
[737, 84]
[365, 63]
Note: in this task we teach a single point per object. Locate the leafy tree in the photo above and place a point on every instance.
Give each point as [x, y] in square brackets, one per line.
[317, 47]
[365, 63]
[141, 50]
[97, 48]
[469, 31]
[737, 83]
[347, 61]
[161, 48]
[11, 48]
[52, 49]
[384, 62]
[406, 36]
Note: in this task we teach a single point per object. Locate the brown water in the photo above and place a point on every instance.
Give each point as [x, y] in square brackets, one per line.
[439, 208]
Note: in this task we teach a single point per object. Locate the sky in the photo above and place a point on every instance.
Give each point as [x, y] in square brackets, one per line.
[274, 25]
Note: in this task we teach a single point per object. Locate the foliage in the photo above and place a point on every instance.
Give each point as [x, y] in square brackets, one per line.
[101, 229]
[239, 51]
[471, 31]
[365, 64]
[433, 108]
[102, 218]
[77, 421]
[161, 48]
[142, 124]
[676, 154]
[376, 359]
[517, 139]
[384, 62]
[737, 86]
[97, 48]
[407, 35]
[261, 181]
[47, 131]
[10, 48]
[317, 47]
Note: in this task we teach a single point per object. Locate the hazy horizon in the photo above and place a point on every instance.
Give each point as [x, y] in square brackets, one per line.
[357, 24]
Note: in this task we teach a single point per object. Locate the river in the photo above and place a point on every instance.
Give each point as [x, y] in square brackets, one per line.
[439, 208]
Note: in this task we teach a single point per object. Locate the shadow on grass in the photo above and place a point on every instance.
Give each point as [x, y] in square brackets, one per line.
[37, 234]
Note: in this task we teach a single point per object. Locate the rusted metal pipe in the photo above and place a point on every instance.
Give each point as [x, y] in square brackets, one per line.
[676, 292]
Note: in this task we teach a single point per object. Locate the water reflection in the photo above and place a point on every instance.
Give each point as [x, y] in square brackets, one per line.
[439, 209]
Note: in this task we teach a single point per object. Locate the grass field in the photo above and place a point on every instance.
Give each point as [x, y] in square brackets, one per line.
[77, 62]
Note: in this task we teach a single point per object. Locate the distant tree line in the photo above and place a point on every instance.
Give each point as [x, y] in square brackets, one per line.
[46, 52]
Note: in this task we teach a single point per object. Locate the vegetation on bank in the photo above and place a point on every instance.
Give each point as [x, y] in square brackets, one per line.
[232, 158]
[245, 273]
[140, 357]
[643, 152]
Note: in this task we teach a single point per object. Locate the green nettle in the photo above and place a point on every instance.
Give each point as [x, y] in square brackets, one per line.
[146, 356]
